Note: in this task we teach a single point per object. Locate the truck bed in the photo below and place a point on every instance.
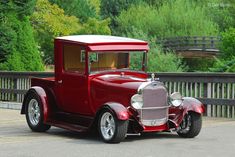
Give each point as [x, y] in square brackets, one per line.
[45, 83]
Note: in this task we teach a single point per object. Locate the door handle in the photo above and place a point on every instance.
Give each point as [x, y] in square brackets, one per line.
[60, 81]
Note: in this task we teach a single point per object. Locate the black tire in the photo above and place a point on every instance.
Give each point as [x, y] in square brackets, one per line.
[37, 126]
[191, 125]
[120, 128]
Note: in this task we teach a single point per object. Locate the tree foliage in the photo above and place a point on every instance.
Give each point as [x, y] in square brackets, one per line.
[158, 60]
[226, 62]
[112, 8]
[223, 65]
[178, 18]
[49, 21]
[228, 43]
[82, 9]
[94, 26]
[142, 19]
[222, 12]
[18, 49]
[95, 4]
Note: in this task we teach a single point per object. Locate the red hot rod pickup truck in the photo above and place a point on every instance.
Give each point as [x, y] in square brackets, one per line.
[100, 83]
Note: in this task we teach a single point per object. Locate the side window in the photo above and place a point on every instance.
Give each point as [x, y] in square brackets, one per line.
[73, 58]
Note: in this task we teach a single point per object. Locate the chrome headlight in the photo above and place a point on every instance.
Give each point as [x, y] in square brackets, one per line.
[137, 101]
[176, 99]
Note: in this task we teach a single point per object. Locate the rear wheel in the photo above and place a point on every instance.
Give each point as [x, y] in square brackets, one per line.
[34, 113]
[191, 125]
[110, 128]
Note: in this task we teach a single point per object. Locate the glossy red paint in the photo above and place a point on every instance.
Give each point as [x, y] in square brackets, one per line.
[79, 97]
[155, 128]
[120, 111]
[192, 104]
[44, 100]
[176, 114]
[102, 87]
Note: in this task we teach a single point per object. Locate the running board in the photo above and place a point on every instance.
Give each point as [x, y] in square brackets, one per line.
[133, 134]
[68, 126]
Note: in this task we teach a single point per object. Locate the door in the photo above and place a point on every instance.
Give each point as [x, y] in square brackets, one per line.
[73, 81]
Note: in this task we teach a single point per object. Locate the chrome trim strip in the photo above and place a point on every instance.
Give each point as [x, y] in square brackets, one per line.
[150, 108]
[154, 122]
[142, 86]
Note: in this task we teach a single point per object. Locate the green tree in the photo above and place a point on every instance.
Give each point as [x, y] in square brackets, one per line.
[178, 18]
[228, 43]
[82, 9]
[158, 60]
[18, 49]
[94, 26]
[49, 21]
[95, 4]
[222, 12]
[223, 65]
[226, 62]
[112, 8]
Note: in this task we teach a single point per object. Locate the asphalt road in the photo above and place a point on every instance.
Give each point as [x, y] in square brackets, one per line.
[217, 139]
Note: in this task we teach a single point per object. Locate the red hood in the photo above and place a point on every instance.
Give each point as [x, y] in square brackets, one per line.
[115, 87]
[116, 80]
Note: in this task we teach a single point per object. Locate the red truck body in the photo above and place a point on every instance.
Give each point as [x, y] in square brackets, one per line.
[85, 91]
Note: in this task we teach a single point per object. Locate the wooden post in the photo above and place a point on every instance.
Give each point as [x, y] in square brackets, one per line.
[208, 95]
[233, 92]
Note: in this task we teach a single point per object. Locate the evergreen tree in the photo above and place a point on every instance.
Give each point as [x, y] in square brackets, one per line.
[18, 49]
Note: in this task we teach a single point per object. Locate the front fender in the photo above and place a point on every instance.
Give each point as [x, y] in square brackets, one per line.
[189, 104]
[192, 104]
[120, 111]
[44, 100]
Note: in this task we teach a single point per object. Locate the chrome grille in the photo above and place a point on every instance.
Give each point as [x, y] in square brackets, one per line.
[155, 107]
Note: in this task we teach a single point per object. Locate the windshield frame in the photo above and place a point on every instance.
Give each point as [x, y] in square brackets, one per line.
[143, 67]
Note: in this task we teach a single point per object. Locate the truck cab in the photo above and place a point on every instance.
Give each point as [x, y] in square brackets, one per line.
[100, 83]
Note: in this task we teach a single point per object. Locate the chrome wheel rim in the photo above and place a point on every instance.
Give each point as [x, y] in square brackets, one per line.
[186, 124]
[107, 125]
[34, 112]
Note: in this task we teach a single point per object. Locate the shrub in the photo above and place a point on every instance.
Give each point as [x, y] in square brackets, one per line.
[228, 44]
[159, 61]
[226, 62]
[222, 65]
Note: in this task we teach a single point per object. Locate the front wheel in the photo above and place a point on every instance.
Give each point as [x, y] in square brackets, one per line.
[191, 125]
[110, 128]
[34, 113]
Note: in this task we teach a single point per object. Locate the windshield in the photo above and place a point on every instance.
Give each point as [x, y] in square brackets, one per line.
[100, 61]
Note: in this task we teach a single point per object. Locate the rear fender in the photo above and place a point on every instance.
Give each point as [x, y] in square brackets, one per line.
[44, 100]
[120, 111]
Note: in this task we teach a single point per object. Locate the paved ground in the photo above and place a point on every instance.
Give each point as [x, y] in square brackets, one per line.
[217, 139]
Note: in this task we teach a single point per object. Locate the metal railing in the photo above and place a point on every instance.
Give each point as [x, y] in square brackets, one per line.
[215, 90]
[191, 43]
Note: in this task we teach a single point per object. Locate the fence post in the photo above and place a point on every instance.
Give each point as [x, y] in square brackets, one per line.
[203, 43]
[208, 95]
[17, 84]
